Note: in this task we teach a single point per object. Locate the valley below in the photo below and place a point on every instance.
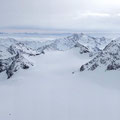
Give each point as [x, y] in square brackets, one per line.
[55, 89]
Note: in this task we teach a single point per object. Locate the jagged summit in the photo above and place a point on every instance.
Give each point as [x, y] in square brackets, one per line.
[13, 56]
[70, 41]
[109, 58]
[93, 44]
[114, 46]
[13, 64]
[21, 48]
[9, 48]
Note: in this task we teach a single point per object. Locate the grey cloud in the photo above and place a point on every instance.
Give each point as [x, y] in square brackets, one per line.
[61, 14]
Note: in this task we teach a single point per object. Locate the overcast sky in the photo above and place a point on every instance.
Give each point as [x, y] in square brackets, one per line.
[61, 14]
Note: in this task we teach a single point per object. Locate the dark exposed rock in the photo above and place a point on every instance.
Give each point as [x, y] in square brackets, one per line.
[13, 64]
[86, 43]
[16, 64]
[113, 66]
[82, 68]
[21, 48]
[109, 58]
[93, 67]
[82, 48]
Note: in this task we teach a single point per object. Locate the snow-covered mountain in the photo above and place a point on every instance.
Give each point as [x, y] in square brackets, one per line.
[55, 89]
[94, 44]
[91, 43]
[21, 48]
[13, 64]
[108, 59]
[82, 48]
[14, 55]
[6, 42]
[4, 45]
[37, 44]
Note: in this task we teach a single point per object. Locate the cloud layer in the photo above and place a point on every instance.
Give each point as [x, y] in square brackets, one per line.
[61, 14]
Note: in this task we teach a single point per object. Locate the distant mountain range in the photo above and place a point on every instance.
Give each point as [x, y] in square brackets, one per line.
[104, 52]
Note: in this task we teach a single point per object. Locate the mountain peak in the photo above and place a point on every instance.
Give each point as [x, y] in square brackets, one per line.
[109, 58]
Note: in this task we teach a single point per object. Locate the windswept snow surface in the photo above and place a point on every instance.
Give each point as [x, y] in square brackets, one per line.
[50, 91]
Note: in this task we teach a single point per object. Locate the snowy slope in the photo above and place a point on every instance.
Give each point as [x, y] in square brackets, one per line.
[54, 89]
[93, 44]
[49, 90]
[86, 44]
[108, 59]
[90, 42]
[82, 48]
[11, 65]
[22, 48]
[37, 44]
[14, 55]
[4, 44]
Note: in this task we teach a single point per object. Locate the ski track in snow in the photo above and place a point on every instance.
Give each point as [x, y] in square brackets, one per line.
[49, 90]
